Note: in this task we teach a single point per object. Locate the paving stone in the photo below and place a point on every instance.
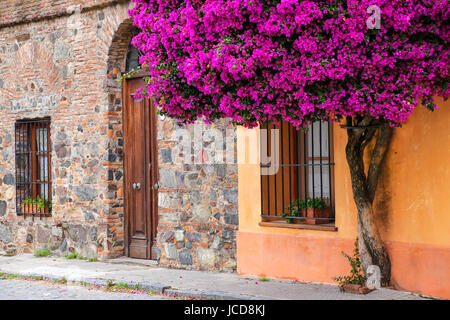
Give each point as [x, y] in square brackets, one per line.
[40, 290]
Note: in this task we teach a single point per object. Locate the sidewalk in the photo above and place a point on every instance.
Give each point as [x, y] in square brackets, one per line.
[194, 284]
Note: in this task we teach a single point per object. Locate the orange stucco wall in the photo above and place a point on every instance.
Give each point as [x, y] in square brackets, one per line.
[412, 205]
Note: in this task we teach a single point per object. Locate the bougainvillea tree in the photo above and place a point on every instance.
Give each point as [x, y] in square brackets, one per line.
[256, 61]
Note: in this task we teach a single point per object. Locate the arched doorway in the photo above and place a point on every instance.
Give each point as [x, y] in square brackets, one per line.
[140, 172]
[137, 150]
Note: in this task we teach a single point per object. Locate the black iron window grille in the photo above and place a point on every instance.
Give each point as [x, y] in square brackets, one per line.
[33, 174]
[301, 190]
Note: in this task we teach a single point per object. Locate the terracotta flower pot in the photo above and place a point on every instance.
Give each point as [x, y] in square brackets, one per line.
[317, 213]
[355, 288]
[310, 213]
[33, 209]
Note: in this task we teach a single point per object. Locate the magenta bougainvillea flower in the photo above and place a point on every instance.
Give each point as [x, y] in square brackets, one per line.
[260, 60]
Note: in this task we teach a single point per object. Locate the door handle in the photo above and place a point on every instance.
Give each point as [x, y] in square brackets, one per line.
[156, 186]
[136, 186]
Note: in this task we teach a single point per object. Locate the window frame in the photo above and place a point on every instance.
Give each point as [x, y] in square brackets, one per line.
[30, 148]
[299, 170]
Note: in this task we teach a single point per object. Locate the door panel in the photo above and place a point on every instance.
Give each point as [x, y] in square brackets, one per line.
[140, 172]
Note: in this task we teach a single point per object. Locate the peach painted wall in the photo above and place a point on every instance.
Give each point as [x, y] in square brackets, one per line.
[412, 205]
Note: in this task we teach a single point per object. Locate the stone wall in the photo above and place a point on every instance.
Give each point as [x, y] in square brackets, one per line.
[57, 68]
[63, 62]
[198, 213]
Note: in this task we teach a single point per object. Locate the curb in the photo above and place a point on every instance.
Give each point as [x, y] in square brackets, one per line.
[146, 286]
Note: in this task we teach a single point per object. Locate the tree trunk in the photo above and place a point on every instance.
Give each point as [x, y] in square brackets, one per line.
[371, 247]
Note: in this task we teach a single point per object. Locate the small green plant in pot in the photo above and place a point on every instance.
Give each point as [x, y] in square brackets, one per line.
[291, 215]
[355, 281]
[36, 205]
[298, 210]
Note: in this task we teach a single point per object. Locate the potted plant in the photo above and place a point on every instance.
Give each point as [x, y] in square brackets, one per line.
[299, 210]
[356, 281]
[292, 216]
[36, 205]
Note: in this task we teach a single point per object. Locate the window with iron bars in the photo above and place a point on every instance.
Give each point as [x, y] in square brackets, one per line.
[33, 174]
[300, 189]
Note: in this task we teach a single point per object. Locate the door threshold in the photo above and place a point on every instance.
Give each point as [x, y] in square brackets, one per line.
[128, 260]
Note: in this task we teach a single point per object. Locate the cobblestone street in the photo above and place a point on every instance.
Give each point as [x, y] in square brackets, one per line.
[41, 290]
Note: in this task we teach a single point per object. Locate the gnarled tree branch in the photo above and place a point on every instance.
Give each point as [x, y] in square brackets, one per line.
[376, 160]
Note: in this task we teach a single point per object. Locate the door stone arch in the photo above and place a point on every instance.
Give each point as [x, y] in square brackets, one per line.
[197, 202]
[114, 221]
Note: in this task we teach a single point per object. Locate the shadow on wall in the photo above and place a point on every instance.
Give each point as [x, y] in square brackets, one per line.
[383, 198]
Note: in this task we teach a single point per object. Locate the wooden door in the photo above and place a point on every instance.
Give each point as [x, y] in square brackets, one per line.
[140, 172]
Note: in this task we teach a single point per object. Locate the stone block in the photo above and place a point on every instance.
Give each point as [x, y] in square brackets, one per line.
[5, 234]
[217, 242]
[89, 251]
[179, 244]
[201, 212]
[63, 247]
[231, 195]
[185, 257]
[11, 250]
[231, 218]
[42, 234]
[93, 234]
[78, 234]
[85, 193]
[171, 251]
[166, 155]
[373, 277]
[230, 264]
[168, 178]
[57, 232]
[179, 235]
[60, 51]
[166, 236]
[206, 257]
[163, 200]
[8, 179]
[3, 207]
